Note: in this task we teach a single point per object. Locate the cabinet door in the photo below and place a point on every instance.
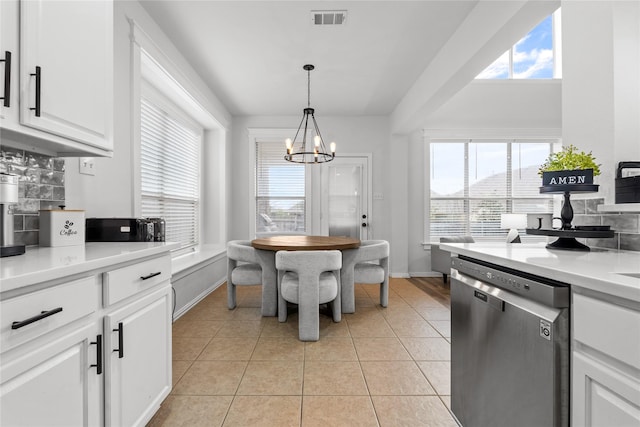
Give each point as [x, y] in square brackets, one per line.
[55, 384]
[66, 51]
[603, 396]
[9, 65]
[139, 359]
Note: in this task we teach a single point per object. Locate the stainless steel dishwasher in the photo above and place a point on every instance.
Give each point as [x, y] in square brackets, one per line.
[509, 347]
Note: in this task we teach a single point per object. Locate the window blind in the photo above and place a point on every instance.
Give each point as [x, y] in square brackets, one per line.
[170, 172]
[280, 191]
[473, 182]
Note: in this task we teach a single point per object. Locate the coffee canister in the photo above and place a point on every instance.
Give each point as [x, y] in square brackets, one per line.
[62, 227]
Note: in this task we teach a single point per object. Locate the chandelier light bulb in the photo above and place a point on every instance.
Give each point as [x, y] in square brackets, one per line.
[333, 148]
[316, 140]
[289, 144]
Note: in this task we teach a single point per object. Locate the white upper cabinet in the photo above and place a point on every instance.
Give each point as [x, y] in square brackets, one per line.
[64, 81]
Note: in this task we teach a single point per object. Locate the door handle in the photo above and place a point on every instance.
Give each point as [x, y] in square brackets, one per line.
[42, 315]
[120, 349]
[7, 78]
[493, 302]
[38, 76]
[98, 343]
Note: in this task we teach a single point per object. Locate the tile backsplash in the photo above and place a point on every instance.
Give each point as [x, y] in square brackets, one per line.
[41, 187]
[625, 224]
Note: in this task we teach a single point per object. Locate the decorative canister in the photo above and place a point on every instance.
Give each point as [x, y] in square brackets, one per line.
[61, 227]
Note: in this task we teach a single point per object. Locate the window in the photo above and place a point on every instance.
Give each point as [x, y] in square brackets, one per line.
[534, 57]
[473, 182]
[281, 204]
[170, 169]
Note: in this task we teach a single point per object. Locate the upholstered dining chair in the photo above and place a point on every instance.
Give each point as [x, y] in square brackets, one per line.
[309, 278]
[367, 264]
[243, 268]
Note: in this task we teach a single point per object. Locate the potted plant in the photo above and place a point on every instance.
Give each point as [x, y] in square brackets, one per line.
[568, 167]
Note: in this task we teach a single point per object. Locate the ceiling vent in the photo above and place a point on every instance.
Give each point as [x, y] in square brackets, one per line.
[328, 17]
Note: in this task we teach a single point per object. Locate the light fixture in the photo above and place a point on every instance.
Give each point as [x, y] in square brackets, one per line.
[513, 222]
[297, 150]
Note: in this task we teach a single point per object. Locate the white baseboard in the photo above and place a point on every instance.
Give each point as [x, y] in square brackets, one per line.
[424, 274]
[399, 275]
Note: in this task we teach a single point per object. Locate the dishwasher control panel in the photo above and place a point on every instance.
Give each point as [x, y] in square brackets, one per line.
[546, 291]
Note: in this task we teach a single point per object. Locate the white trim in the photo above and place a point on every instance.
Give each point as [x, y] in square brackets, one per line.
[493, 133]
[164, 71]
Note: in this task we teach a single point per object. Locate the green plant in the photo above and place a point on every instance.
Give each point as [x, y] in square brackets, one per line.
[570, 159]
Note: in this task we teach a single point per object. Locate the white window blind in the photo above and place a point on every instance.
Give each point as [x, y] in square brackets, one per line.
[170, 172]
[473, 182]
[280, 191]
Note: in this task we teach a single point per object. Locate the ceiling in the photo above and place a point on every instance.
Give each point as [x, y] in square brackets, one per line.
[402, 59]
[251, 53]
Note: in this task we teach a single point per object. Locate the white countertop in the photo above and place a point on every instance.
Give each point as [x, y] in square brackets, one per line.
[40, 264]
[597, 269]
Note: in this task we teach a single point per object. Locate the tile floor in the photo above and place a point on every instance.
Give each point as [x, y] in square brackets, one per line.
[378, 367]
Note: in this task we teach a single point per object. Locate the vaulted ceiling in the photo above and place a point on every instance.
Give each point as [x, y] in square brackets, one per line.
[398, 58]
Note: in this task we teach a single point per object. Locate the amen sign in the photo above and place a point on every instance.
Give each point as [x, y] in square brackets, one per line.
[581, 176]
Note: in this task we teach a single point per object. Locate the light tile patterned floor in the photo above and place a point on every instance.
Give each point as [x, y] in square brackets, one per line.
[378, 367]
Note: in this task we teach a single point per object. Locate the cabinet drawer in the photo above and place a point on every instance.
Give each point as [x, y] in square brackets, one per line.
[609, 328]
[37, 313]
[127, 281]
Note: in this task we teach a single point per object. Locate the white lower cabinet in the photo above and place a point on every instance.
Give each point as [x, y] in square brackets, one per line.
[56, 384]
[605, 362]
[603, 396]
[139, 359]
[69, 358]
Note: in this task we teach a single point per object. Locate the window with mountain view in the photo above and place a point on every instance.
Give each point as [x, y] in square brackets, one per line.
[472, 182]
[535, 56]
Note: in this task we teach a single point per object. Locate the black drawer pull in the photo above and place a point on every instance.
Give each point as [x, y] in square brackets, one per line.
[38, 75]
[42, 315]
[151, 275]
[98, 343]
[120, 349]
[7, 78]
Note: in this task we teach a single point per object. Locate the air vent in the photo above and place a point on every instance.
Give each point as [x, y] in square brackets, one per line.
[328, 17]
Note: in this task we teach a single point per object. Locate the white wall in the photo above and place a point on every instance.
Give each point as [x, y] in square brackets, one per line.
[601, 88]
[110, 192]
[351, 134]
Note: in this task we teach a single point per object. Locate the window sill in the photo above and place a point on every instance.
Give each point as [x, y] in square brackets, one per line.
[185, 264]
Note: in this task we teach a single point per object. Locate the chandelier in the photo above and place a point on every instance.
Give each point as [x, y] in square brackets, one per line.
[297, 149]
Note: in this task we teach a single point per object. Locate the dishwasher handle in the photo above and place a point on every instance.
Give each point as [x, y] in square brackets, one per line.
[492, 301]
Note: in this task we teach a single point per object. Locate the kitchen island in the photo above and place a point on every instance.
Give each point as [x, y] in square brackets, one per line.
[85, 334]
[605, 322]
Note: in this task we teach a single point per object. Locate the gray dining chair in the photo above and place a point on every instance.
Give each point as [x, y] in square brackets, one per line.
[309, 278]
[243, 268]
[367, 264]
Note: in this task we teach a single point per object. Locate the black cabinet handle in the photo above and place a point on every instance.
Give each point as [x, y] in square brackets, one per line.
[98, 343]
[151, 275]
[120, 349]
[38, 75]
[42, 315]
[7, 78]
[364, 224]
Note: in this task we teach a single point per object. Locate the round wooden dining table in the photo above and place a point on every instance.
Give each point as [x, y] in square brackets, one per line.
[305, 243]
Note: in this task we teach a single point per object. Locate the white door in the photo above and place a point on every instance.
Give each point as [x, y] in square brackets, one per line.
[138, 349]
[66, 69]
[58, 384]
[345, 199]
